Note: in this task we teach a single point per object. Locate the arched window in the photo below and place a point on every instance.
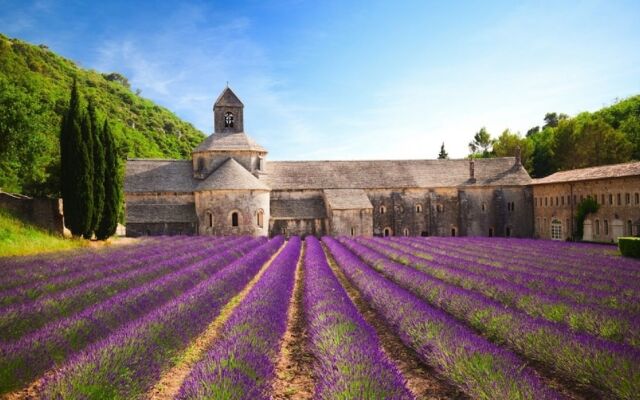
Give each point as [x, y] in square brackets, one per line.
[629, 228]
[383, 209]
[418, 208]
[234, 218]
[387, 232]
[209, 219]
[597, 227]
[260, 218]
[200, 164]
[556, 230]
[490, 232]
[353, 231]
[453, 232]
[507, 231]
[606, 227]
[484, 206]
[228, 120]
[405, 232]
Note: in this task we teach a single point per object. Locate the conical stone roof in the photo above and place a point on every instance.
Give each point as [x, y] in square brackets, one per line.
[231, 176]
[229, 141]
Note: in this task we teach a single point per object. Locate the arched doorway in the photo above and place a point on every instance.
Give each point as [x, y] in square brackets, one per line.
[387, 232]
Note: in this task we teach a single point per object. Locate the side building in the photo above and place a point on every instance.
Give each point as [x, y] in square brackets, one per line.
[616, 189]
[230, 188]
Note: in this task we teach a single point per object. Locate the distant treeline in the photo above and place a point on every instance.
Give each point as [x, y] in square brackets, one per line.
[608, 136]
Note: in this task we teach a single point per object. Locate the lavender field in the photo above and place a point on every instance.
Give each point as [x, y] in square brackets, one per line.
[337, 318]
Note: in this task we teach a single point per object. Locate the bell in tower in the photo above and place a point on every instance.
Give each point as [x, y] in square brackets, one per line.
[227, 113]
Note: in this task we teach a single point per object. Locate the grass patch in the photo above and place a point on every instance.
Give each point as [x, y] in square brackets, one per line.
[18, 238]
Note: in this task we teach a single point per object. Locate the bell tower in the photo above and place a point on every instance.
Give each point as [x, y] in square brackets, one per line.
[227, 113]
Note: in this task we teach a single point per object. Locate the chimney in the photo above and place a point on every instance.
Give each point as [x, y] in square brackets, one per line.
[518, 160]
[472, 171]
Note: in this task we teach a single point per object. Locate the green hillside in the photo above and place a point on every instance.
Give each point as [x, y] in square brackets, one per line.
[34, 92]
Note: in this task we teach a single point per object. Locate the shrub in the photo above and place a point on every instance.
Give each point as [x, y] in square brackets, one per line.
[629, 246]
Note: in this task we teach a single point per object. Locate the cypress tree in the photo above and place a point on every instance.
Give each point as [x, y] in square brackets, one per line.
[98, 168]
[85, 189]
[112, 184]
[71, 174]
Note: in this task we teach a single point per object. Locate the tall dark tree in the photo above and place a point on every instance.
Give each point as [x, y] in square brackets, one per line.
[73, 158]
[112, 185]
[87, 176]
[443, 155]
[98, 167]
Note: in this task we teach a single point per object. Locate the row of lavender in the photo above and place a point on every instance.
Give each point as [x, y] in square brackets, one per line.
[608, 367]
[556, 301]
[480, 368]
[53, 330]
[128, 362]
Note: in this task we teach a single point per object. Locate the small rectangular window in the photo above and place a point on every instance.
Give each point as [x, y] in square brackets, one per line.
[606, 227]
[610, 199]
[562, 200]
[637, 198]
[627, 198]
[619, 199]
[545, 202]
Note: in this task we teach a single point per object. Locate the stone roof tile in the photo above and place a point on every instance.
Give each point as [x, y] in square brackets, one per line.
[347, 199]
[298, 209]
[149, 213]
[282, 175]
[232, 176]
[158, 176]
[229, 141]
[585, 174]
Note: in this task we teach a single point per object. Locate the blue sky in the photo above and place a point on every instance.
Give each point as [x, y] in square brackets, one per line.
[357, 79]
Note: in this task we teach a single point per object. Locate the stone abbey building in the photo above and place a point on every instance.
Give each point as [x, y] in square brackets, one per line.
[229, 187]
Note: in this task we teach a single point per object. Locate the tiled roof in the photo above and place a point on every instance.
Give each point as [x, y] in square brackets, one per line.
[158, 176]
[584, 174]
[228, 98]
[283, 175]
[231, 175]
[347, 199]
[229, 141]
[298, 209]
[137, 213]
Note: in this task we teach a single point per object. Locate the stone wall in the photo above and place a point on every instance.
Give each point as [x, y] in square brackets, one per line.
[160, 214]
[44, 213]
[215, 210]
[473, 211]
[351, 222]
[619, 200]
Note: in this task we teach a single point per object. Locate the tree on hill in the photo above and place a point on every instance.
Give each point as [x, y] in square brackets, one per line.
[112, 186]
[85, 166]
[73, 157]
[98, 167]
[443, 155]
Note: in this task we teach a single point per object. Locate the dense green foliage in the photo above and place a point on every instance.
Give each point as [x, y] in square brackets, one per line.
[108, 221]
[18, 238]
[91, 180]
[585, 207]
[608, 136]
[34, 94]
[629, 246]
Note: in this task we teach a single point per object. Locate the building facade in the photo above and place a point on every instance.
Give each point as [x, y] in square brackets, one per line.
[616, 190]
[230, 188]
